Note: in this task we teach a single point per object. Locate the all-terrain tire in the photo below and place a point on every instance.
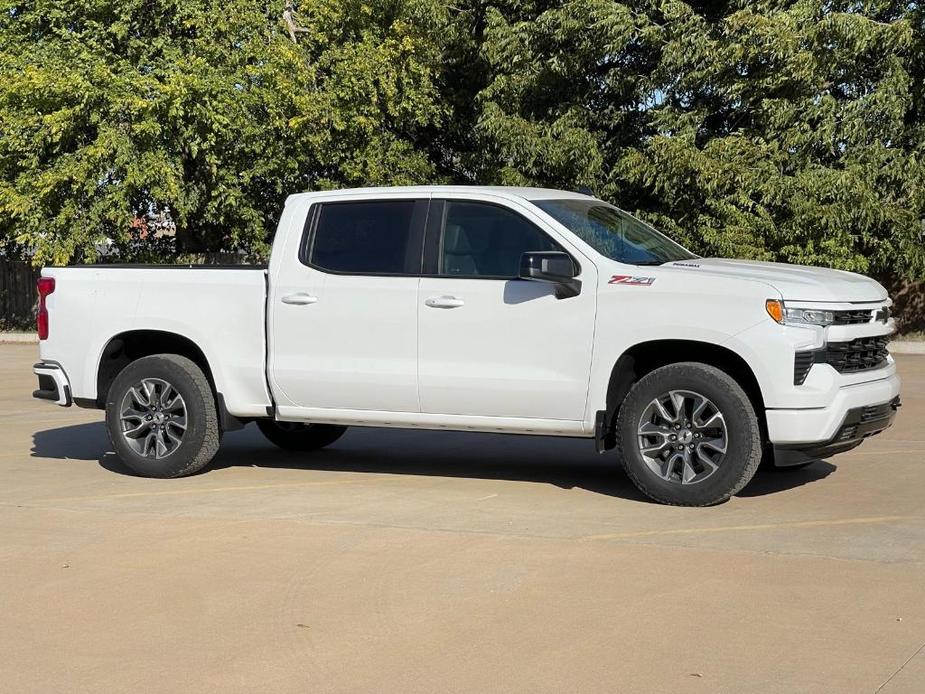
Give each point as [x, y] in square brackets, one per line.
[743, 434]
[200, 440]
[293, 436]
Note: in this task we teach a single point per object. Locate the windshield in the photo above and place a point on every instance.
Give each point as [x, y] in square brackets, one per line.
[613, 232]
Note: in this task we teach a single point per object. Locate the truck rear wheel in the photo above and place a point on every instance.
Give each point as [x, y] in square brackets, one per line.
[295, 436]
[161, 417]
[688, 435]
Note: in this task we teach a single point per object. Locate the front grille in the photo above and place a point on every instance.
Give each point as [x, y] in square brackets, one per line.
[852, 317]
[861, 354]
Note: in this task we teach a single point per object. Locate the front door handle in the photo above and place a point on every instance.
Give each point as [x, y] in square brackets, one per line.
[300, 299]
[444, 302]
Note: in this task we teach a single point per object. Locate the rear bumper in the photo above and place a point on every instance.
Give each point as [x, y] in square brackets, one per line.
[53, 383]
[857, 413]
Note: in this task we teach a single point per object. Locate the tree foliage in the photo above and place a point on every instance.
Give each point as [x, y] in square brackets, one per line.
[772, 130]
[199, 110]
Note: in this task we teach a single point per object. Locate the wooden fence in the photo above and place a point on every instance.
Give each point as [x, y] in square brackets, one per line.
[18, 297]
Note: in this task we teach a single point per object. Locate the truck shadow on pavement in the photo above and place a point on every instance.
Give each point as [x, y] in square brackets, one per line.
[564, 463]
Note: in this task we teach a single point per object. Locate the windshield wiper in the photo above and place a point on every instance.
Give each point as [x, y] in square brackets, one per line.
[649, 262]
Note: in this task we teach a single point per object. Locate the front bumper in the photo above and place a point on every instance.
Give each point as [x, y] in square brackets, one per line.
[857, 412]
[53, 383]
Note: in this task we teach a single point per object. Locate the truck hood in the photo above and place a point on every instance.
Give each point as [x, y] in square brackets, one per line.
[794, 282]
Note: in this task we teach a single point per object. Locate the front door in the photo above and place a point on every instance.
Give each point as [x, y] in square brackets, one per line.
[344, 315]
[492, 344]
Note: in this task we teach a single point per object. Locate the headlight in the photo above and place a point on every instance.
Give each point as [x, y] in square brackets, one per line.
[797, 316]
[807, 316]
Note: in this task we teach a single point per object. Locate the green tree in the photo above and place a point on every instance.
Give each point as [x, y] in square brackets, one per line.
[200, 112]
[785, 131]
[777, 130]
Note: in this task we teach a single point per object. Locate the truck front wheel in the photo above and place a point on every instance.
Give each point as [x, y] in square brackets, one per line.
[161, 416]
[295, 436]
[688, 435]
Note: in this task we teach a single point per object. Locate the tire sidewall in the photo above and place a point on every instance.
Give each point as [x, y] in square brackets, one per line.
[743, 435]
[170, 369]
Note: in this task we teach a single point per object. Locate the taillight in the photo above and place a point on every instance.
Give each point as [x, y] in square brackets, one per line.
[46, 285]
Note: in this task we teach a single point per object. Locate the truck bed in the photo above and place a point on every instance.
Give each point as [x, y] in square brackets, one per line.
[221, 309]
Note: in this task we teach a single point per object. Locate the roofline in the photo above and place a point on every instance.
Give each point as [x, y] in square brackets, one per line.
[509, 192]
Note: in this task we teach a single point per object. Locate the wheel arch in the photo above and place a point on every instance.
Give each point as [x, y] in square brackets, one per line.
[131, 345]
[645, 357]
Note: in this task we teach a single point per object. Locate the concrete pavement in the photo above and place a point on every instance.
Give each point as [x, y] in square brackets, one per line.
[436, 561]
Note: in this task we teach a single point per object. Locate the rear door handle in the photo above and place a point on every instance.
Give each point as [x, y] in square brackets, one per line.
[444, 302]
[300, 299]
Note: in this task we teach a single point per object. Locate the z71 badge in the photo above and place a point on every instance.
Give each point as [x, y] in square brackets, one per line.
[629, 279]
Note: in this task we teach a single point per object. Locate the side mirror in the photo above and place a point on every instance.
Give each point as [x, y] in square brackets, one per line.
[554, 267]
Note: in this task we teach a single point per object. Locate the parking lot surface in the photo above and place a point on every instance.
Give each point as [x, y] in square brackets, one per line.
[400, 561]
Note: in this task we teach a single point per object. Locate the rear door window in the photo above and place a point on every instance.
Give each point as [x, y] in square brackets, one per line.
[375, 237]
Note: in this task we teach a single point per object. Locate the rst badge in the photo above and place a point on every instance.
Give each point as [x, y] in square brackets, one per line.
[634, 281]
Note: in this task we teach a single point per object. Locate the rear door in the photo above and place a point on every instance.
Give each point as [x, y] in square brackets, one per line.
[344, 309]
[492, 344]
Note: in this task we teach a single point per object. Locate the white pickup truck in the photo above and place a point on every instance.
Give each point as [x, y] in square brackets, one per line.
[517, 310]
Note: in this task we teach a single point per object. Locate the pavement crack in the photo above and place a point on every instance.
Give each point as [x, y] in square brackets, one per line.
[908, 660]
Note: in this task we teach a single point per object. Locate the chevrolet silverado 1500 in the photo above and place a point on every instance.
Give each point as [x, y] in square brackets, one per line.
[526, 311]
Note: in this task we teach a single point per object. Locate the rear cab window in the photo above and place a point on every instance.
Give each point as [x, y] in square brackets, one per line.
[368, 237]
